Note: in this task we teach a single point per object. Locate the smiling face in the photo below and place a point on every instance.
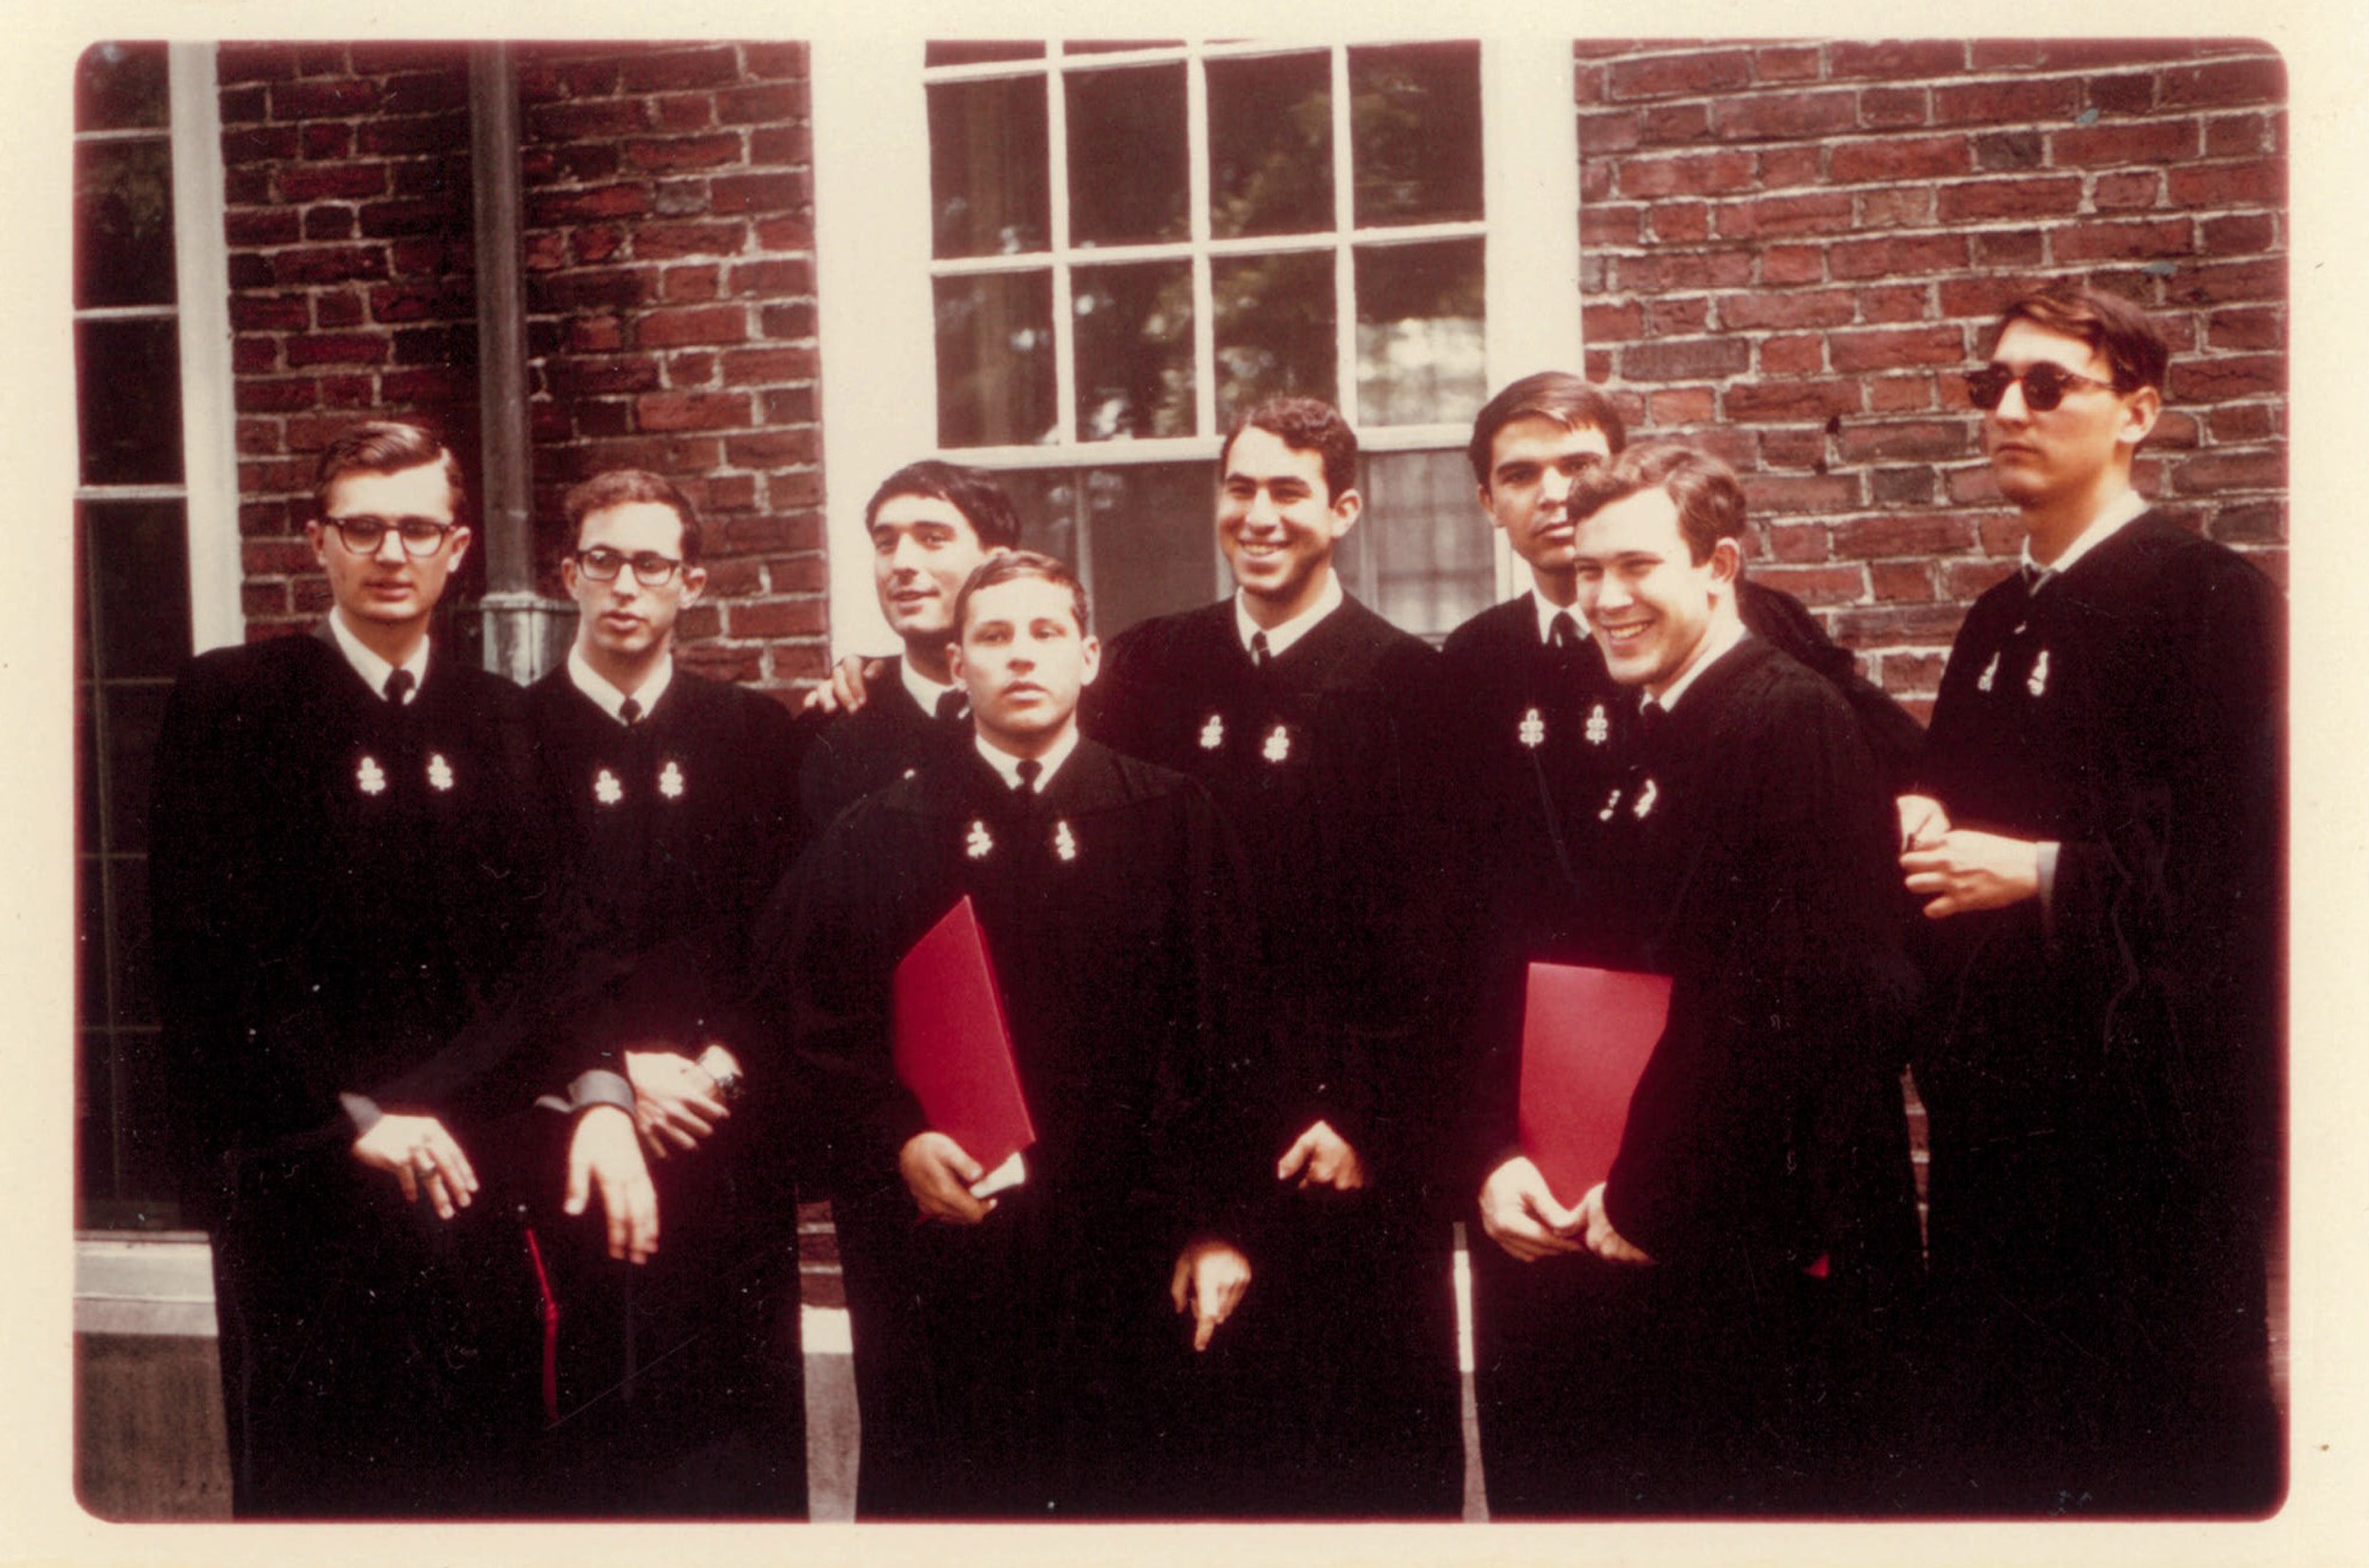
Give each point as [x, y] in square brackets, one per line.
[1531, 464]
[2074, 458]
[1651, 604]
[923, 549]
[1023, 660]
[624, 623]
[387, 593]
[1278, 523]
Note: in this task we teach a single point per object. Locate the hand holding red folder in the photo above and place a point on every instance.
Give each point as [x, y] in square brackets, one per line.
[1586, 1035]
[952, 1046]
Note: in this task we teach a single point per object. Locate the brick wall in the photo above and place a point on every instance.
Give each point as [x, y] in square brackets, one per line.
[1787, 248]
[669, 255]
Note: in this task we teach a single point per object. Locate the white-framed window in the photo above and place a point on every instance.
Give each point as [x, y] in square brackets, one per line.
[1077, 263]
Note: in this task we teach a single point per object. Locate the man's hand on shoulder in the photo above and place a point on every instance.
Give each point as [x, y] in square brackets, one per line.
[850, 687]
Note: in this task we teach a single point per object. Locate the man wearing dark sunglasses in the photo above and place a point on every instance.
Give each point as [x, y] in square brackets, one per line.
[345, 864]
[2096, 840]
[676, 800]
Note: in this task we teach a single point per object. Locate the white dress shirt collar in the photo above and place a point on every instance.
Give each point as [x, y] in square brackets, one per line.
[1281, 637]
[595, 685]
[2124, 509]
[923, 690]
[1717, 643]
[372, 669]
[1008, 765]
[1547, 609]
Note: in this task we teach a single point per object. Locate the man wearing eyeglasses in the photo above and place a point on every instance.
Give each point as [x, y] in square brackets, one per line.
[678, 799]
[346, 862]
[2096, 839]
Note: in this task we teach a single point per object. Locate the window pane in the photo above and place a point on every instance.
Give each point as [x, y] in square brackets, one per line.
[119, 87]
[1151, 541]
[85, 769]
[137, 556]
[136, 958]
[1270, 145]
[1046, 499]
[90, 943]
[123, 223]
[1135, 350]
[1274, 328]
[995, 359]
[1421, 554]
[1415, 133]
[130, 381]
[978, 54]
[1420, 351]
[988, 160]
[1128, 173]
[135, 717]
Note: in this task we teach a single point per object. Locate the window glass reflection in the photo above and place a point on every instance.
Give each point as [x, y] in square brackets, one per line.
[1135, 350]
[120, 87]
[1415, 116]
[1421, 554]
[1270, 145]
[1421, 349]
[989, 181]
[1151, 545]
[1274, 324]
[136, 553]
[130, 393]
[1128, 175]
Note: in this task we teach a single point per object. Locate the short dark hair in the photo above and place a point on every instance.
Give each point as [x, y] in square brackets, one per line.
[1304, 424]
[2127, 335]
[1556, 395]
[1708, 496]
[383, 446]
[624, 487]
[1009, 566]
[972, 491]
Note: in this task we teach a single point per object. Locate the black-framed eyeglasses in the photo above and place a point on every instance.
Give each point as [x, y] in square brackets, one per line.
[364, 533]
[2044, 384]
[650, 569]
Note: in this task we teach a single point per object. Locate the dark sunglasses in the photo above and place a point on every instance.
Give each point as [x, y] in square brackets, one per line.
[2044, 386]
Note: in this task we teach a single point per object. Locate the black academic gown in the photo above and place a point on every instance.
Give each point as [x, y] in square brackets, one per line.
[1349, 1387]
[2101, 1077]
[340, 884]
[1048, 1361]
[889, 738]
[681, 1388]
[1754, 1366]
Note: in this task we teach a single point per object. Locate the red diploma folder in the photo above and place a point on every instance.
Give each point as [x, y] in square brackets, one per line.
[951, 1045]
[1585, 1038]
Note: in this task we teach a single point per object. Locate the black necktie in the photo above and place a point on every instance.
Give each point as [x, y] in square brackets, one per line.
[398, 687]
[629, 713]
[952, 708]
[1562, 631]
[1653, 724]
[1258, 655]
[1030, 769]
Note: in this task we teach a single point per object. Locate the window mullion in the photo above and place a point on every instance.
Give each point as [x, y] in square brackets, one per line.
[1205, 290]
[1343, 258]
[1064, 319]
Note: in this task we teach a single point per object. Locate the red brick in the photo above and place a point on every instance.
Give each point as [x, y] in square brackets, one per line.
[1677, 317]
[262, 143]
[2224, 82]
[2261, 181]
[434, 92]
[1919, 439]
[1774, 117]
[2122, 241]
[1603, 133]
[671, 327]
[692, 285]
[1659, 272]
[1685, 360]
[1681, 405]
[1803, 355]
[1602, 322]
[2094, 53]
[1821, 212]
[2211, 470]
[1901, 581]
[2123, 193]
[1892, 625]
[385, 220]
[1905, 672]
[1967, 581]
[438, 133]
[1779, 63]
[262, 313]
[1761, 312]
[1897, 487]
[760, 106]
[451, 299]
[330, 100]
[1799, 542]
[1783, 166]
[546, 208]
[328, 265]
[2243, 421]
[329, 221]
[713, 66]
[662, 242]
[1782, 265]
[338, 308]
[1693, 74]
[774, 531]
[658, 411]
[1899, 394]
[685, 110]
[1673, 124]
[785, 322]
[1895, 206]
[1891, 349]
[1903, 537]
[330, 182]
[781, 617]
[1899, 302]
[785, 276]
[1790, 401]
[2124, 95]
[2230, 282]
[240, 63]
[443, 345]
[1688, 174]
[1975, 201]
[1858, 162]
[276, 557]
[350, 391]
[445, 177]
[672, 154]
[323, 59]
[415, 258]
[1610, 223]
[2234, 135]
[2261, 524]
[2237, 236]
[1974, 486]
[776, 62]
[596, 334]
[591, 288]
[2103, 146]
[689, 368]
[1991, 105]
[751, 366]
[1827, 584]
[268, 226]
[1896, 57]
[1791, 448]
[1799, 493]
[1889, 257]
[742, 666]
[1895, 108]
[759, 193]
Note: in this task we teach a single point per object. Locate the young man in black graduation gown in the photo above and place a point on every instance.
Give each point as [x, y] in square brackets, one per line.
[1539, 739]
[348, 859]
[674, 798]
[1708, 1329]
[1305, 715]
[1044, 1322]
[930, 525]
[2098, 841]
